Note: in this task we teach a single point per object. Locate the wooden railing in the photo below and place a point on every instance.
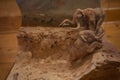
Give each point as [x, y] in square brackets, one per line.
[112, 9]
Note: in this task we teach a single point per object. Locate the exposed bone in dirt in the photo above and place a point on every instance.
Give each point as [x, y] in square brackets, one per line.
[52, 63]
[90, 19]
[65, 54]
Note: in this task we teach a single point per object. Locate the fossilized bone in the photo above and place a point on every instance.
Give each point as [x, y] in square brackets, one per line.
[66, 23]
[94, 18]
[77, 16]
[87, 44]
[89, 18]
[90, 36]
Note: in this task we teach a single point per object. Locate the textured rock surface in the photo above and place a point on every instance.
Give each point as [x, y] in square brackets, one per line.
[40, 58]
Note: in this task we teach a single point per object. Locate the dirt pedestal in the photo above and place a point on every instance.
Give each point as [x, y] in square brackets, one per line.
[39, 59]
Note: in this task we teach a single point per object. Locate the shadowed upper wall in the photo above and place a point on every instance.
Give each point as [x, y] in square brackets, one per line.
[51, 12]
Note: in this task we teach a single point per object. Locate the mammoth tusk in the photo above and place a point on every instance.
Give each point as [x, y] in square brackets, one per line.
[60, 25]
[78, 25]
[83, 38]
[100, 36]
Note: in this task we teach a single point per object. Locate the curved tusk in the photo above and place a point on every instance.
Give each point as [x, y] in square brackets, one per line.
[83, 38]
[100, 36]
[78, 25]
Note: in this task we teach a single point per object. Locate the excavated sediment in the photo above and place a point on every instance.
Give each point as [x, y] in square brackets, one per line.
[44, 55]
